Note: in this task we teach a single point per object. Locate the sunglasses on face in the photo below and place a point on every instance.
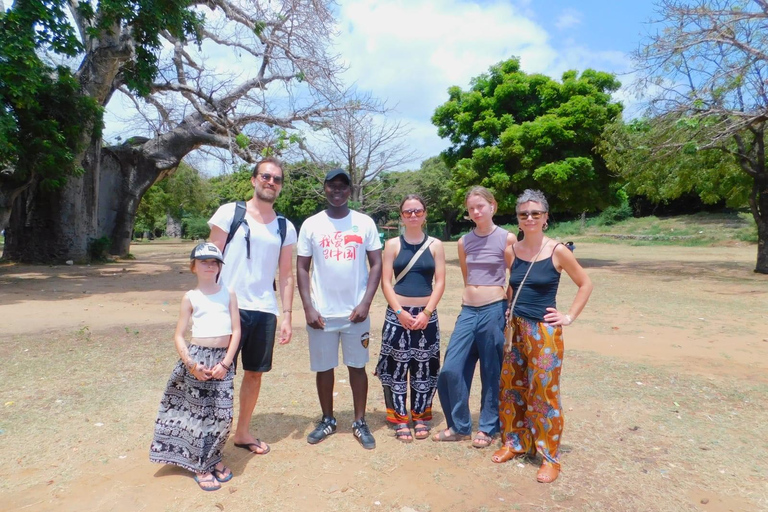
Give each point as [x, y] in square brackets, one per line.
[418, 212]
[535, 215]
[265, 177]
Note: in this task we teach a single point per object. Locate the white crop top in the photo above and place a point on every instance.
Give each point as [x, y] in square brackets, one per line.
[210, 313]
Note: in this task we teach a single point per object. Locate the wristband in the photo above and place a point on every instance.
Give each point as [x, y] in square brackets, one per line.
[427, 312]
[398, 312]
[570, 320]
[191, 365]
[225, 366]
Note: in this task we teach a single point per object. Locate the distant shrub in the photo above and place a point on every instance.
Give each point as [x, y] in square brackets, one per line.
[98, 248]
[614, 214]
[195, 228]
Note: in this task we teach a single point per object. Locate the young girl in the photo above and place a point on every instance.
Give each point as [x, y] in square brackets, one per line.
[195, 415]
[485, 254]
[410, 339]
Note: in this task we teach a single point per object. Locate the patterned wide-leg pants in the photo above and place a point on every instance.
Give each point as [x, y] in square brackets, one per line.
[409, 359]
[529, 398]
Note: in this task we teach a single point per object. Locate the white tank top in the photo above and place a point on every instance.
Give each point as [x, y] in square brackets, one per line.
[210, 313]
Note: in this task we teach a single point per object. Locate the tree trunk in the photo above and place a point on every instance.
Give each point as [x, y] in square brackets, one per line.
[759, 207]
[52, 226]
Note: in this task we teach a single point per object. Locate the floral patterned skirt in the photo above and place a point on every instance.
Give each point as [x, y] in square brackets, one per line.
[529, 398]
[195, 417]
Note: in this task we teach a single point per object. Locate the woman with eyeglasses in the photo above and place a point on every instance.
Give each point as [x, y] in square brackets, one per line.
[530, 411]
[410, 338]
[484, 255]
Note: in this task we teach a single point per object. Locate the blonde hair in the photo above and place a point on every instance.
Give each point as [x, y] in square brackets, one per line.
[481, 192]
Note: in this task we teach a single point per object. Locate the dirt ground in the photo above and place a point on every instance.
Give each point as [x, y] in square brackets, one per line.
[664, 391]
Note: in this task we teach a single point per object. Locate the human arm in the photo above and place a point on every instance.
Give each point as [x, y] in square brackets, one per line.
[218, 237]
[185, 313]
[438, 288]
[285, 272]
[564, 259]
[222, 367]
[312, 316]
[360, 312]
[463, 260]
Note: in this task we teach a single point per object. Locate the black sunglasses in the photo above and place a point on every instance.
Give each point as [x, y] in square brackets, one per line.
[265, 177]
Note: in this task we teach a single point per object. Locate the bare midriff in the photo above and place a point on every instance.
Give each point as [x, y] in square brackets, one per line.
[412, 302]
[212, 342]
[475, 295]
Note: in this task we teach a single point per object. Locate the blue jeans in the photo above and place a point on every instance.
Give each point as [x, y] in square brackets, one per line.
[478, 336]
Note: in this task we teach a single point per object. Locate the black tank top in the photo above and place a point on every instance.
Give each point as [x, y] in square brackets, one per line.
[540, 289]
[418, 281]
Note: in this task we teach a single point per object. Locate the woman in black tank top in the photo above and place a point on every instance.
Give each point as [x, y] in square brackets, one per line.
[410, 338]
[529, 410]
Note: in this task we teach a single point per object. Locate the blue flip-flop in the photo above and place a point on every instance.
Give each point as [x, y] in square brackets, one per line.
[201, 481]
[222, 475]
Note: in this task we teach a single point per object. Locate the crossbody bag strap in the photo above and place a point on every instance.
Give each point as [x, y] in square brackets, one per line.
[516, 295]
[414, 259]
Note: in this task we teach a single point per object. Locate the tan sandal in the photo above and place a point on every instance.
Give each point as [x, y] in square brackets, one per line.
[547, 474]
[449, 435]
[482, 440]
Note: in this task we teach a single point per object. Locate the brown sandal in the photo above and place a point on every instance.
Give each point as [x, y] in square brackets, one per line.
[505, 454]
[403, 433]
[449, 435]
[482, 440]
[547, 473]
[421, 430]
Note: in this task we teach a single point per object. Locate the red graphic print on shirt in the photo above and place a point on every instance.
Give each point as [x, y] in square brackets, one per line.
[337, 246]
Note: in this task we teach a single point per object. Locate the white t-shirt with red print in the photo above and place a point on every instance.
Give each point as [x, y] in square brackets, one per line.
[338, 248]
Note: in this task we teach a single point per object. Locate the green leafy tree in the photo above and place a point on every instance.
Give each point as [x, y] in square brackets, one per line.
[705, 68]
[629, 150]
[512, 131]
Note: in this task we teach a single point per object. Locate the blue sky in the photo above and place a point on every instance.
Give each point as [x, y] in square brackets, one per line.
[408, 52]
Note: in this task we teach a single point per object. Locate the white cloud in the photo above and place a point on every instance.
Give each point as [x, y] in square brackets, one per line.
[568, 18]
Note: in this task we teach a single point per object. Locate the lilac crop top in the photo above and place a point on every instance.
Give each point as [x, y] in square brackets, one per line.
[486, 265]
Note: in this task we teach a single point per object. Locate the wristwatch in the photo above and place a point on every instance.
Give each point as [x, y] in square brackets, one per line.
[398, 312]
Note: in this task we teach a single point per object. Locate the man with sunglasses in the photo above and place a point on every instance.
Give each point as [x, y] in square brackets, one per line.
[340, 244]
[257, 251]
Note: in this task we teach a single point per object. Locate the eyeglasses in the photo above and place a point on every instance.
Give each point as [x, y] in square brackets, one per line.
[535, 215]
[265, 177]
[418, 212]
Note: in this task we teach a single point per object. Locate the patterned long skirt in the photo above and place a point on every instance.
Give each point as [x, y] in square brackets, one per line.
[529, 398]
[409, 358]
[195, 417]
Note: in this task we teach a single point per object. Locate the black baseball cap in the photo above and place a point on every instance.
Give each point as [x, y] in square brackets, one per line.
[333, 173]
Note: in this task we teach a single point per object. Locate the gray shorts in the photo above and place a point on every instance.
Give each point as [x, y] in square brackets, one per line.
[324, 344]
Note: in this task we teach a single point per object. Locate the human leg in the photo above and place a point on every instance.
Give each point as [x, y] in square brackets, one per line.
[454, 380]
[516, 437]
[545, 351]
[256, 347]
[392, 367]
[424, 367]
[490, 346]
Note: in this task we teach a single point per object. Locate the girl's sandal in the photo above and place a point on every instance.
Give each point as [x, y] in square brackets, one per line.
[403, 433]
[207, 483]
[222, 475]
[547, 473]
[420, 430]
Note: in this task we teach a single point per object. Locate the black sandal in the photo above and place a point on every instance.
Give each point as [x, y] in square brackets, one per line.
[421, 430]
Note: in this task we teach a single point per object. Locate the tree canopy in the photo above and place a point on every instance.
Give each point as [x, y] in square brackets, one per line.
[513, 130]
[705, 71]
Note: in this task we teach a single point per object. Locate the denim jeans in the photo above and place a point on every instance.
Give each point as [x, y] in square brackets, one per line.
[477, 336]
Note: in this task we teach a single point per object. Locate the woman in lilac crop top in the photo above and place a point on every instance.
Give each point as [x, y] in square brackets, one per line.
[484, 256]
[531, 414]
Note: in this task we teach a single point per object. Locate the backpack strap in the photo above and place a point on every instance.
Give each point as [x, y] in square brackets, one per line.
[238, 219]
[415, 257]
[282, 228]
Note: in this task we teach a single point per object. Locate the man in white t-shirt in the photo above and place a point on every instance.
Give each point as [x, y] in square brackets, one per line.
[253, 256]
[340, 243]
